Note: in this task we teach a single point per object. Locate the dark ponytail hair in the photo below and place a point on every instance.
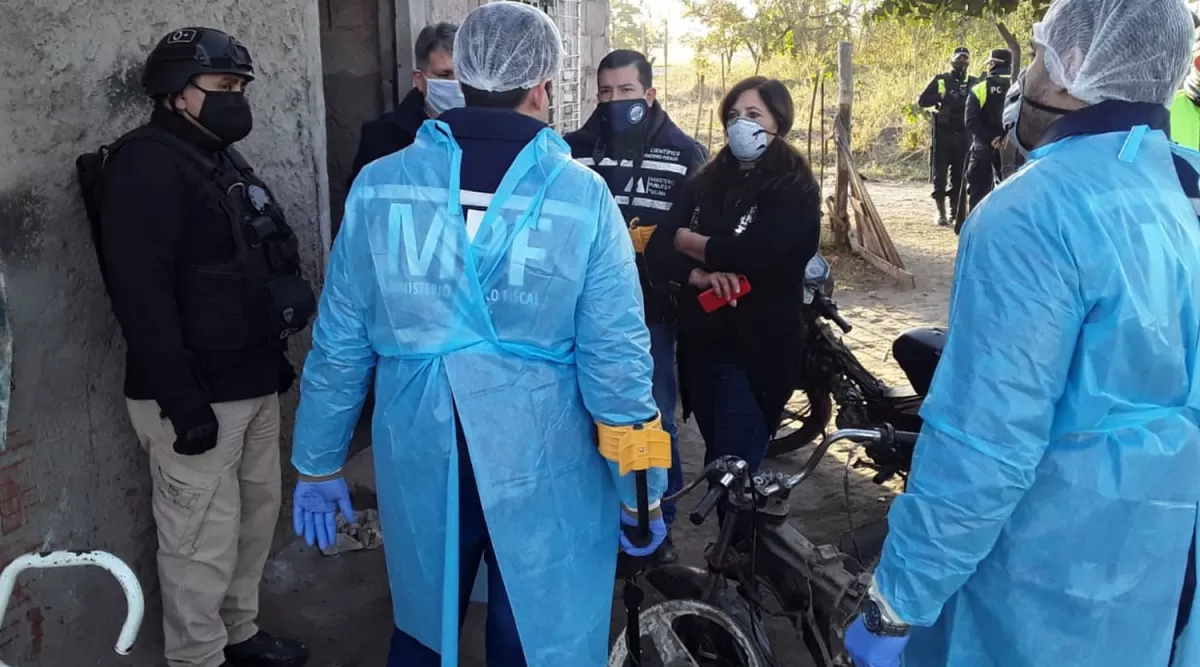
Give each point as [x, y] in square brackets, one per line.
[780, 158]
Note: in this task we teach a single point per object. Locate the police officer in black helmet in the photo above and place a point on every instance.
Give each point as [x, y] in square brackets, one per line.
[203, 273]
[947, 95]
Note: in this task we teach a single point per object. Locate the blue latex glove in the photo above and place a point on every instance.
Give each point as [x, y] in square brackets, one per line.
[315, 507]
[871, 650]
[658, 533]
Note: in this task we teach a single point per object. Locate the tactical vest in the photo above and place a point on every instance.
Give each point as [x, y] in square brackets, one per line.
[992, 93]
[258, 294]
[953, 93]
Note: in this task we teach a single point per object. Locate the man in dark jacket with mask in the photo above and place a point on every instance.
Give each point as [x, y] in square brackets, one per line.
[434, 90]
[644, 157]
[204, 277]
[947, 95]
[985, 122]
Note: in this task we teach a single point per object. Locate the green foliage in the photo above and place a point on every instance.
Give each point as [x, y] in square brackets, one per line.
[796, 41]
[630, 28]
[928, 9]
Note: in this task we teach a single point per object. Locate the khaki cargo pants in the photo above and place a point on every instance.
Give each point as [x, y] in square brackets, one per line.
[216, 516]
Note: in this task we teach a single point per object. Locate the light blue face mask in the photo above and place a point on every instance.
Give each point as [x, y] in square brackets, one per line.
[442, 95]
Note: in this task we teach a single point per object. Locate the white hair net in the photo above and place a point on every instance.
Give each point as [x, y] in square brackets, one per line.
[504, 46]
[1129, 50]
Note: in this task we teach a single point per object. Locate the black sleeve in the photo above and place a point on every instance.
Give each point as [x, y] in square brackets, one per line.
[974, 115]
[378, 139]
[142, 213]
[788, 225]
[930, 97]
[665, 264]
[365, 155]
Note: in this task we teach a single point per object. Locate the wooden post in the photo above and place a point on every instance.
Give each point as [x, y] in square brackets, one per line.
[699, 107]
[666, 58]
[812, 110]
[710, 130]
[840, 223]
[824, 138]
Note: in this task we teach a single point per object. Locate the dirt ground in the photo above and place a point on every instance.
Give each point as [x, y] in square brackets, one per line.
[341, 605]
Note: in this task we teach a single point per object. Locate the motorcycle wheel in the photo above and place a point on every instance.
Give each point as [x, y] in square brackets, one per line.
[804, 420]
[690, 633]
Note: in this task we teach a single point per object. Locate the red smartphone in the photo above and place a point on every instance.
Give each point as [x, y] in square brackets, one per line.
[709, 300]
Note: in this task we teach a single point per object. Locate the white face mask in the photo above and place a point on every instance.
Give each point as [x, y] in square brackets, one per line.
[747, 139]
[1012, 115]
[442, 95]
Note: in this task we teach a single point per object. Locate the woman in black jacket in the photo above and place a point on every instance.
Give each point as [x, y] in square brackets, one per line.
[754, 211]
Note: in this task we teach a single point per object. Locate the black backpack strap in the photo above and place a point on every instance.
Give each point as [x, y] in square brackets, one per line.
[238, 161]
[166, 137]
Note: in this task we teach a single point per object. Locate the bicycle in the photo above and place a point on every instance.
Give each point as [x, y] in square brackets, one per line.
[760, 565]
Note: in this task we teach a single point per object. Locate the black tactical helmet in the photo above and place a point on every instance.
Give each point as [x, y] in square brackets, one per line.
[188, 52]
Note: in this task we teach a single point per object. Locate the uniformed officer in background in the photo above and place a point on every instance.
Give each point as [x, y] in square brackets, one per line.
[947, 95]
[204, 277]
[643, 156]
[985, 121]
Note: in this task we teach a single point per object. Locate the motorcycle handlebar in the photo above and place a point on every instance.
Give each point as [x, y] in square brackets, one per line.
[707, 504]
[725, 472]
[829, 310]
[722, 474]
[905, 438]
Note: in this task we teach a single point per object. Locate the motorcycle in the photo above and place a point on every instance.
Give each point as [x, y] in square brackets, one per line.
[761, 567]
[833, 375]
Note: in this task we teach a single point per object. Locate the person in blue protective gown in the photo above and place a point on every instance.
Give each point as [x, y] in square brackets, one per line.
[485, 282]
[1053, 499]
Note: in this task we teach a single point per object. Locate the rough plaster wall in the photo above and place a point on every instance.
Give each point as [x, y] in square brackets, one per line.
[596, 44]
[453, 11]
[350, 58]
[73, 475]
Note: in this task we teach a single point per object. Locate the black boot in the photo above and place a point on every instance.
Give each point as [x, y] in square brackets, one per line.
[941, 219]
[263, 650]
[666, 554]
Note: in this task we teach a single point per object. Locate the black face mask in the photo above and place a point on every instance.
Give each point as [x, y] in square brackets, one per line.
[625, 123]
[959, 68]
[226, 114]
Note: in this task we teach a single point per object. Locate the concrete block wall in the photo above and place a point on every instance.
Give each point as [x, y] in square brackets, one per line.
[73, 475]
[597, 42]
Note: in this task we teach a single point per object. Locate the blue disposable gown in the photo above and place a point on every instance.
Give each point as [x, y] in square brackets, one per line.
[529, 322]
[1055, 485]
